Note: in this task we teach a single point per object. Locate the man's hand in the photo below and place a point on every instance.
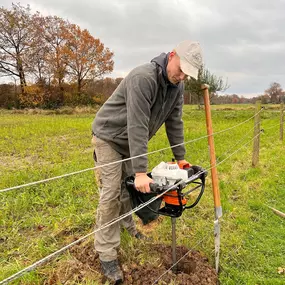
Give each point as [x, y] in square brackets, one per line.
[142, 182]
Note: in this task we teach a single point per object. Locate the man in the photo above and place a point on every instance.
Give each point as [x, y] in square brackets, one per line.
[150, 95]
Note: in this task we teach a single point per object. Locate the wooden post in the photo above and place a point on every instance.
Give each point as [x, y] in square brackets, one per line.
[211, 145]
[214, 174]
[281, 120]
[256, 141]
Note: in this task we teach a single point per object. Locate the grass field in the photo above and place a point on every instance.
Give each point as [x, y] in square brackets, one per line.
[37, 220]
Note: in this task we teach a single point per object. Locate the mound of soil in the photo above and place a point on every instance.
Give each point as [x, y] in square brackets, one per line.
[192, 269]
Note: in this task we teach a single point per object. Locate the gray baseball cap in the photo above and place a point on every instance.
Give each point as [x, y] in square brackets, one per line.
[190, 54]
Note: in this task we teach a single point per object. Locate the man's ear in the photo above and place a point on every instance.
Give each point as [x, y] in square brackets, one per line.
[171, 54]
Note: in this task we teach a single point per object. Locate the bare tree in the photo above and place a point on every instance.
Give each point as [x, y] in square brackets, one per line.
[275, 92]
[37, 65]
[16, 37]
[205, 77]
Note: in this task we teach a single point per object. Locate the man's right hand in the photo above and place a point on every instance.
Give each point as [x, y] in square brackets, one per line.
[142, 182]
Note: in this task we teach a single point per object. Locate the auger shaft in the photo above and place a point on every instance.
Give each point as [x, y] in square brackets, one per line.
[174, 259]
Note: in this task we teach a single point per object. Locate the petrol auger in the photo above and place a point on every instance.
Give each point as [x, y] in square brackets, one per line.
[174, 181]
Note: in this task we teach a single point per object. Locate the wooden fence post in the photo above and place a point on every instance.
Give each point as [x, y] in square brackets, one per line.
[256, 141]
[214, 175]
[281, 120]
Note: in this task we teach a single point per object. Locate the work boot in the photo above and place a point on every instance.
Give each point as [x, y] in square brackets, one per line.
[112, 271]
[141, 236]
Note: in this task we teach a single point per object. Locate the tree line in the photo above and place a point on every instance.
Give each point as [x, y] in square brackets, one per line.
[53, 62]
[97, 91]
[273, 95]
[50, 58]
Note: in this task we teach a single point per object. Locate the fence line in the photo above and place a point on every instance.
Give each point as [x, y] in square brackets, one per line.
[50, 256]
[237, 143]
[119, 161]
[47, 258]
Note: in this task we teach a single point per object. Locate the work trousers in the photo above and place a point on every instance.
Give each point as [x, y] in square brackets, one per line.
[114, 199]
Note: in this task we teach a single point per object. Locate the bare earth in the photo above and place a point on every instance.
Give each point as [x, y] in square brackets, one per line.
[192, 269]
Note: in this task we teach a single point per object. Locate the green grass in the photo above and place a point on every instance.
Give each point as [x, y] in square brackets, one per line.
[37, 220]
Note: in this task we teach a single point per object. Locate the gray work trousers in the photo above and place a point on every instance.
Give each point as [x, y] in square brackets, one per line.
[114, 199]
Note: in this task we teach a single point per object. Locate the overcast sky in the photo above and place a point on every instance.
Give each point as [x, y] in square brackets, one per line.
[242, 41]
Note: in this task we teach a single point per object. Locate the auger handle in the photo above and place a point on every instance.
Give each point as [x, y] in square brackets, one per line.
[154, 187]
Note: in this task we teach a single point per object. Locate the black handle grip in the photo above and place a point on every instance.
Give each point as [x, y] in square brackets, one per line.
[130, 183]
[154, 187]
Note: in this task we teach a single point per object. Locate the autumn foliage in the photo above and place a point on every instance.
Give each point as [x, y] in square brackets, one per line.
[52, 62]
[49, 58]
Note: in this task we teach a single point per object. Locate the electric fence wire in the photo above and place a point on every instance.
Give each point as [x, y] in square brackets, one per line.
[123, 160]
[204, 237]
[47, 258]
[239, 142]
[220, 162]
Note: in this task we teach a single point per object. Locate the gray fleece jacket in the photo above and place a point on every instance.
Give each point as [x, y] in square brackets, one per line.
[142, 102]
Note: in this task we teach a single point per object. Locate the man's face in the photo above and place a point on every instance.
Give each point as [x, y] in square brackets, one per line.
[174, 72]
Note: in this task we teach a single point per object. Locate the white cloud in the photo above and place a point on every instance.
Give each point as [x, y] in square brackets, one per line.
[242, 41]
